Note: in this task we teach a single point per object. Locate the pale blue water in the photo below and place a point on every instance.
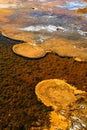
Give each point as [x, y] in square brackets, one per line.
[48, 16]
[78, 4]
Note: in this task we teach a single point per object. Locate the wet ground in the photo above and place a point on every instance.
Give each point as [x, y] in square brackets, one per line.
[37, 21]
[54, 17]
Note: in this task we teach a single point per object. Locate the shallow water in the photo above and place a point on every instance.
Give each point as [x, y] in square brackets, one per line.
[39, 21]
[54, 17]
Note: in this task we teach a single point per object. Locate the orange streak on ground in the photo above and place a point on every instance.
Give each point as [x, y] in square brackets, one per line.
[4, 13]
[82, 11]
[85, 0]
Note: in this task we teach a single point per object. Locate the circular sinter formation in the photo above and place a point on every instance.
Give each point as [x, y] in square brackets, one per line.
[61, 47]
[55, 93]
[28, 50]
[69, 104]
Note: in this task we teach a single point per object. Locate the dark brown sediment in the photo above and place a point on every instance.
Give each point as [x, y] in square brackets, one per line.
[19, 107]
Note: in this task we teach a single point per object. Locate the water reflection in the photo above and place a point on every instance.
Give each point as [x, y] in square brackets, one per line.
[52, 17]
[73, 5]
[34, 20]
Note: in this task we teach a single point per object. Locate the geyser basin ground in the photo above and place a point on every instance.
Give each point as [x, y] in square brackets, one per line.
[19, 106]
[18, 78]
[65, 99]
[28, 50]
[61, 47]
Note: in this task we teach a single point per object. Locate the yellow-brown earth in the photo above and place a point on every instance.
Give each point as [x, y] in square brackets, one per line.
[62, 97]
[82, 11]
[19, 105]
[60, 47]
[4, 13]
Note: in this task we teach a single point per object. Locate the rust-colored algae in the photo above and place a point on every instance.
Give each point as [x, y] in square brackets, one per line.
[4, 13]
[85, 0]
[82, 11]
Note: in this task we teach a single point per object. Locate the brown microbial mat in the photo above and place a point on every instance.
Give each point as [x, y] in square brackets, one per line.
[19, 105]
